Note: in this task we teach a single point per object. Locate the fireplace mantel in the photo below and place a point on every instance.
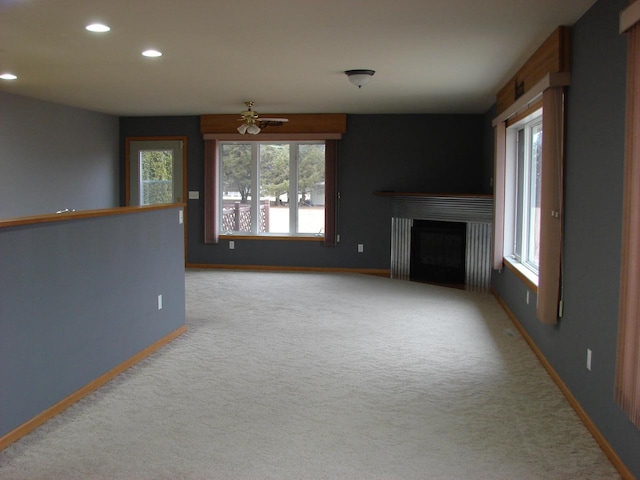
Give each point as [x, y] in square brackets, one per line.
[452, 207]
[390, 193]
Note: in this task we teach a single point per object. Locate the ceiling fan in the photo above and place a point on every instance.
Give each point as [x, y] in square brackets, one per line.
[252, 123]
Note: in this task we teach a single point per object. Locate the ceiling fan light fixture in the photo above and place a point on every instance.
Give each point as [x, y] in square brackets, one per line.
[253, 129]
[243, 128]
[360, 77]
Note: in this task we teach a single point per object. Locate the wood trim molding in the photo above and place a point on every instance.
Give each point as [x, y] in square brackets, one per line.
[553, 56]
[290, 238]
[267, 137]
[608, 450]
[316, 123]
[430, 195]
[380, 272]
[529, 99]
[629, 17]
[65, 403]
[53, 217]
[531, 109]
[518, 273]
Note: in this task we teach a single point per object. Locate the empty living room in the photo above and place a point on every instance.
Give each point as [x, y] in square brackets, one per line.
[319, 240]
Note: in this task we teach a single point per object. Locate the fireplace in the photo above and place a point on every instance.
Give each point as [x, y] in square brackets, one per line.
[438, 252]
[474, 212]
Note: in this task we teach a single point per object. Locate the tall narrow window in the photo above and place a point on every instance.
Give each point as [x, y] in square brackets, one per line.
[522, 194]
[527, 210]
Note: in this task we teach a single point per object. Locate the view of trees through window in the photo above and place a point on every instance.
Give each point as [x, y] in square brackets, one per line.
[289, 178]
[156, 177]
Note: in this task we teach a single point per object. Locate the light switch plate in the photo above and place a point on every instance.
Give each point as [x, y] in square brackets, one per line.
[194, 195]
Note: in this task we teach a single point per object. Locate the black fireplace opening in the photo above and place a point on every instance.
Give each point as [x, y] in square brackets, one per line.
[438, 252]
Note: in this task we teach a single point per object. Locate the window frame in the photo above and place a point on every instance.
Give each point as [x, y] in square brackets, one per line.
[211, 161]
[294, 163]
[517, 196]
[527, 192]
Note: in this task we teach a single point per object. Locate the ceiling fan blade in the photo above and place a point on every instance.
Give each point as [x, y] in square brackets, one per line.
[269, 119]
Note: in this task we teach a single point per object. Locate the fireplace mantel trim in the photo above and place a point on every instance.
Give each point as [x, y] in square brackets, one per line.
[388, 193]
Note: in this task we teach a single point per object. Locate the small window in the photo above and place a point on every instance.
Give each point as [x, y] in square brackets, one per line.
[272, 188]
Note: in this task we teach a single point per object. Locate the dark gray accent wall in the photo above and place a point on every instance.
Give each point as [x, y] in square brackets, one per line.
[78, 298]
[411, 153]
[591, 251]
[54, 157]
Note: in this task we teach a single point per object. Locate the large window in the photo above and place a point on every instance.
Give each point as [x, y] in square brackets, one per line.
[271, 188]
[528, 159]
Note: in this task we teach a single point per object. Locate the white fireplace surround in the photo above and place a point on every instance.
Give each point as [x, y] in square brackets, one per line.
[474, 210]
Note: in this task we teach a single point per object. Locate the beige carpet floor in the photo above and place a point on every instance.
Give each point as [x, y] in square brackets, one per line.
[323, 376]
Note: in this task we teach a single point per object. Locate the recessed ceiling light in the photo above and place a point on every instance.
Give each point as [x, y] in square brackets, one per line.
[8, 76]
[152, 53]
[98, 28]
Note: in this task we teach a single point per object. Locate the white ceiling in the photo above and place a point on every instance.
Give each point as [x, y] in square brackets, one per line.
[430, 56]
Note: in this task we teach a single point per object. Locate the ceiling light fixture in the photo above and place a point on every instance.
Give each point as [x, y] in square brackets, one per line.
[251, 128]
[360, 77]
[8, 76]
[98, 28]
[152, 53]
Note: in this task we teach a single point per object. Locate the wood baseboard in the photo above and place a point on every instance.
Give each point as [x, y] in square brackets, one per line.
[380, 272]
[586, 420]
[65, 403]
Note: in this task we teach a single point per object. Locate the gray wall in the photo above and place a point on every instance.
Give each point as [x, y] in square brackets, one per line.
[411, 153]
[79, 297]
[54, 157]
[593, 204]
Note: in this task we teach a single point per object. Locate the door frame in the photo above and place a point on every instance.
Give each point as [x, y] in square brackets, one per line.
[185, 193]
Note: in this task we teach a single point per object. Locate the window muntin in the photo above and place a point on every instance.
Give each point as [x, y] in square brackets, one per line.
[290, 179]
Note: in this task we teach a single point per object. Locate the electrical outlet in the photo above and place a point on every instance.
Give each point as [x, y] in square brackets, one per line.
[194, 195]
[180, 217]
[589, 359]
[232, 244]
[360, 248]
[159, 302]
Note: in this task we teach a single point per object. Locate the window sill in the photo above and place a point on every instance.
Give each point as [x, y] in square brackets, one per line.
[529, 278]
[294, 238]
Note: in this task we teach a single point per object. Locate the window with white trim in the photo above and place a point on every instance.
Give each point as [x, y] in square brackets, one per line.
[527, 222]
[522, 204]
[274, 188]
